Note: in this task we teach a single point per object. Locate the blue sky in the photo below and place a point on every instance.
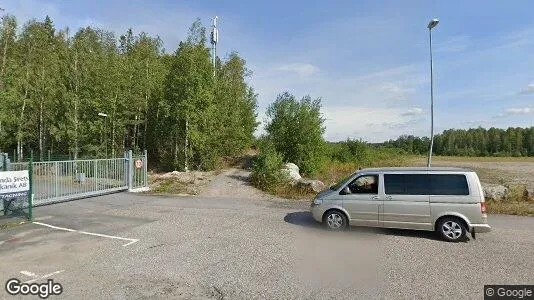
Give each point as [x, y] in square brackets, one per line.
[367, 60]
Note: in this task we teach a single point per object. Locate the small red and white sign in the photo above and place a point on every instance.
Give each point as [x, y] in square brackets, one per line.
[139, 164]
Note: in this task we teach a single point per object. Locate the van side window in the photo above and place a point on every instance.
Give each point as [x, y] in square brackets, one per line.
[407, 184]
[394, 184]
[417, 184]
[367, 184]
[449, 184]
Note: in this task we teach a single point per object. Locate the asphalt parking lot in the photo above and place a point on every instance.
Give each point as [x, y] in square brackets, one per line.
[125, 246]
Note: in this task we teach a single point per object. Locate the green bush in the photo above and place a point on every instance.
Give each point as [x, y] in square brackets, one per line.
[266, 168]
[296, 129]
[365, 155]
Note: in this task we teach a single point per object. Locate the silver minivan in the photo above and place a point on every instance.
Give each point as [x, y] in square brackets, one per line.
[449, 201]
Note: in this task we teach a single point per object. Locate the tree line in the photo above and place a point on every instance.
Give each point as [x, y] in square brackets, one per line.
[513, 141]
[93, 93]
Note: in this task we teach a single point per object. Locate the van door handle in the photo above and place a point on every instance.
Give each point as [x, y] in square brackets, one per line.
[375, 198]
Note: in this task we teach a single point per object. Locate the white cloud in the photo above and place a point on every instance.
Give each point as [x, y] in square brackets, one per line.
[399, 125]
[396, 90]
[30, 9]
[413, 112]
[527, 90]
[367, 105]
[519, 111]
[370, 124]
[299, 68]
[475, 123]
[454, 44]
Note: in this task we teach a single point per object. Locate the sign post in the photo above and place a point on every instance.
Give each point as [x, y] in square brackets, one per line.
[30, 194]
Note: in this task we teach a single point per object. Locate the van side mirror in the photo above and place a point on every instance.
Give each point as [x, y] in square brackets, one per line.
[345, 191]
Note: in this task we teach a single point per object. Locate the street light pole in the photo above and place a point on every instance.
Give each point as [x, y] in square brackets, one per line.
[105, 116]
[433, 23]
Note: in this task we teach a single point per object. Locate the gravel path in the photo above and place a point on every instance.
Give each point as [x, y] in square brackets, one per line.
[233, 183]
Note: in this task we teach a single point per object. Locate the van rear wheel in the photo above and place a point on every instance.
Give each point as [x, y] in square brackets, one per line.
[335, 220]
[451, 229]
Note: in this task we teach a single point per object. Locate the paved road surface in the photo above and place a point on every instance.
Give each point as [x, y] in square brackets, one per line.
[215, 248]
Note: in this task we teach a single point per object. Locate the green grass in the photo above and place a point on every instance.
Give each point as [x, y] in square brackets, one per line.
[288, 191]
[516, 202]
[333, 171]
[10, 224]
[169, 186]
[520, 208]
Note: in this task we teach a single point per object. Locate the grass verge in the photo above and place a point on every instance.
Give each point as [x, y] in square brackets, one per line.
[288, 191]
[169, 186]
[520, 208]
[13, 223]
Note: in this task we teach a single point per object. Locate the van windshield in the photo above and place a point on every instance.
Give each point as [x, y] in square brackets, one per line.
[340, 182]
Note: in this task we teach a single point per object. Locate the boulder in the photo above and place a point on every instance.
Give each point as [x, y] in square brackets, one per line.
[309, 184]
[292, 171]
[494, 191]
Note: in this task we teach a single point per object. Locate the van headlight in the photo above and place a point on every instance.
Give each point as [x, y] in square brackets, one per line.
[317, 201]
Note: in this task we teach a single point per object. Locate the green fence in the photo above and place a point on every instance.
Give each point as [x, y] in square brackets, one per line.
[58, 181]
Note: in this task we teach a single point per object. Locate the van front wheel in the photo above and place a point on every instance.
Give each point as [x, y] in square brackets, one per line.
[451, 229]
[335, 220]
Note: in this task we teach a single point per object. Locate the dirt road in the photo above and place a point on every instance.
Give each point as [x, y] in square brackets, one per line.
[232, 183]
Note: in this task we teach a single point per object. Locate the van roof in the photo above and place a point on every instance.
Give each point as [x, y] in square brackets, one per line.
[416, 169]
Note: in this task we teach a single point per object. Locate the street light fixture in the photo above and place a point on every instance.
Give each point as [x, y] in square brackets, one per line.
[433, 23]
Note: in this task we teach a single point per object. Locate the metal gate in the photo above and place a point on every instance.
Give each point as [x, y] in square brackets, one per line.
[57, 181]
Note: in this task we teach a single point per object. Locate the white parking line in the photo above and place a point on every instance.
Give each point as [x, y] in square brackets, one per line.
[30, 274]
[130, 241]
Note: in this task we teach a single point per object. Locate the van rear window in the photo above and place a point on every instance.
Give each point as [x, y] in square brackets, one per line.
[449, 184]
[422, 184]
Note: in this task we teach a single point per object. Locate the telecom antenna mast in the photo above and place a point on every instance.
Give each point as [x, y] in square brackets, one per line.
[214, 41]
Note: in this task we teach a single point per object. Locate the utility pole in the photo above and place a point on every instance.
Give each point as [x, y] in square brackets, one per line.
[186, 153]
[214, 41]
[214, 38]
